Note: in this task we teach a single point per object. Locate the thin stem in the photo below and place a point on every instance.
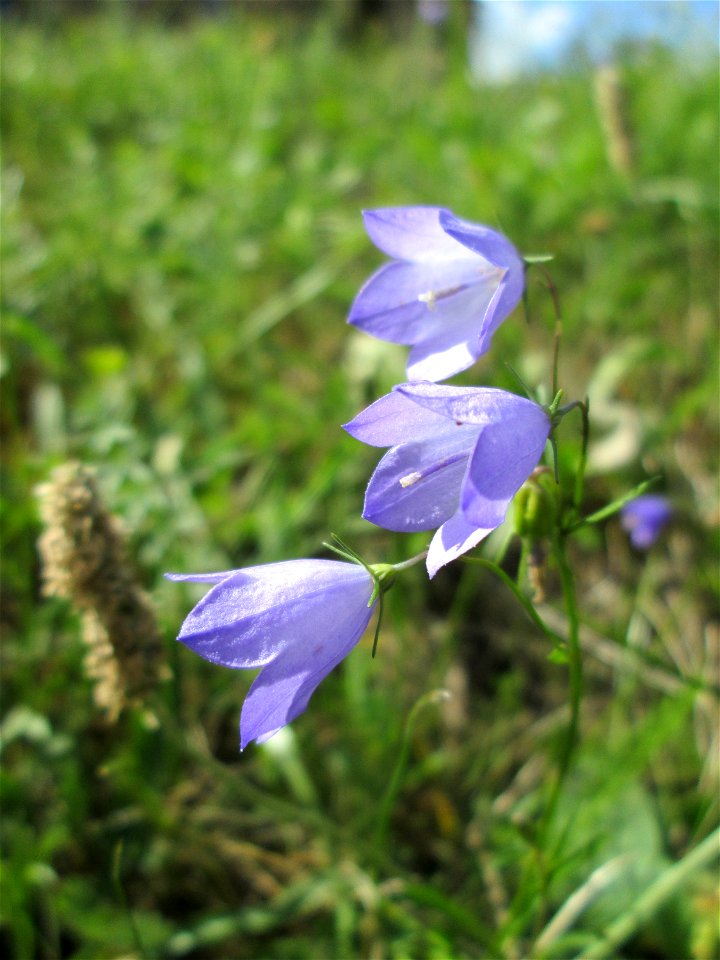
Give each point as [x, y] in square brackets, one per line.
[575, 675]
[122, 897]
[411, 562]
[580, 474]
[395, 783]
[378, 624]
[557, 335]
[525, 601]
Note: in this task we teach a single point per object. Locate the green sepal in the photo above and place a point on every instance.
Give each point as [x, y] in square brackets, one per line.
[383, 576]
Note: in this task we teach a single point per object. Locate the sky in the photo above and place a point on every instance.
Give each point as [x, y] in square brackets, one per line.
[513, 36]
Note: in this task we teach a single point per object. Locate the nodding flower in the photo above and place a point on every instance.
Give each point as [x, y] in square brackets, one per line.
[449, 286]
[295, 620]
[457, 457]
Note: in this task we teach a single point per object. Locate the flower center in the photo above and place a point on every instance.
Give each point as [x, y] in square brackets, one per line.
[417, 475]
[432, 296]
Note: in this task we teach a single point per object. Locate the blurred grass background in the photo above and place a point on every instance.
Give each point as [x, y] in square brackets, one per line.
[181, 240]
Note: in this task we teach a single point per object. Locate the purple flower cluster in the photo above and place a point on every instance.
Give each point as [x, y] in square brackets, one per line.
[456, 458]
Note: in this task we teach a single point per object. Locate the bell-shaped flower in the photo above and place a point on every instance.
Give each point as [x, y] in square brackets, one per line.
[296, 620]
[450, 285]
[644, 519]
[457, 457]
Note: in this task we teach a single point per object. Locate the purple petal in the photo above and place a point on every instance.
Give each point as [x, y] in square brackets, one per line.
[505, 455]
[438, 360]
[410, 233]
[416, 486]
[251, 617]
[388, 305]
[283, 689]
[474, 405]
[394, 419]
[507, 297]
[497, 249]
[408, 302]
[487, 243]
[455, 537]
[456, 331]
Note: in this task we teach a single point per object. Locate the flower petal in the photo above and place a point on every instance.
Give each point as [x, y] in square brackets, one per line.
[388, 305]
[283, 689]
[411, 233]
[251, 617]
[394, 419]
[472, 405]
[482, 240]
[455, 537]
[416, 486]
[505, 455]
[407, 302]
[437, 359]
[456, 331]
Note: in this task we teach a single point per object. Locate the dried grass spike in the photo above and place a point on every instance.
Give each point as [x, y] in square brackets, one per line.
[85, 560]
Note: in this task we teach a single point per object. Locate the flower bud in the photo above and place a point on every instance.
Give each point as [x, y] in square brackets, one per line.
[536, 505]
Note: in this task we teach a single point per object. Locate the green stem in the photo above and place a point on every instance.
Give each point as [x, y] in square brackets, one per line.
[557, 333]
[575, 674]
[393, 788]
[120, 893]
[524, 600]
[411, 562]
[580, 474]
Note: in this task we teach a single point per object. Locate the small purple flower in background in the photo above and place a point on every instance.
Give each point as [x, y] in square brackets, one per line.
[449, 287]
[433, 12]
[297, 620]
[644, 519]
[458, 456]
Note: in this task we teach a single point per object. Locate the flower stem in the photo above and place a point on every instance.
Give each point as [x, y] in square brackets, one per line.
[394, 786]
[575, 673]
[580, 475]
[557, 334]
[411, 562]
[523, 599]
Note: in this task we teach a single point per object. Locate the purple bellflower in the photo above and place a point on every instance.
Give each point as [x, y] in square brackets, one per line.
[450, 285]
[296, 620]
[644, 519]
[457, 457]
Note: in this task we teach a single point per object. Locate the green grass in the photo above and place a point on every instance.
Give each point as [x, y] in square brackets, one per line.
[181, 241]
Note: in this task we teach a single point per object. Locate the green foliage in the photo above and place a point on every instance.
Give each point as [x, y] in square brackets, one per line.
[181, 240]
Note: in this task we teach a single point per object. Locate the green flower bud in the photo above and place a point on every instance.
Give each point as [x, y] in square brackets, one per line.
[536, 505]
